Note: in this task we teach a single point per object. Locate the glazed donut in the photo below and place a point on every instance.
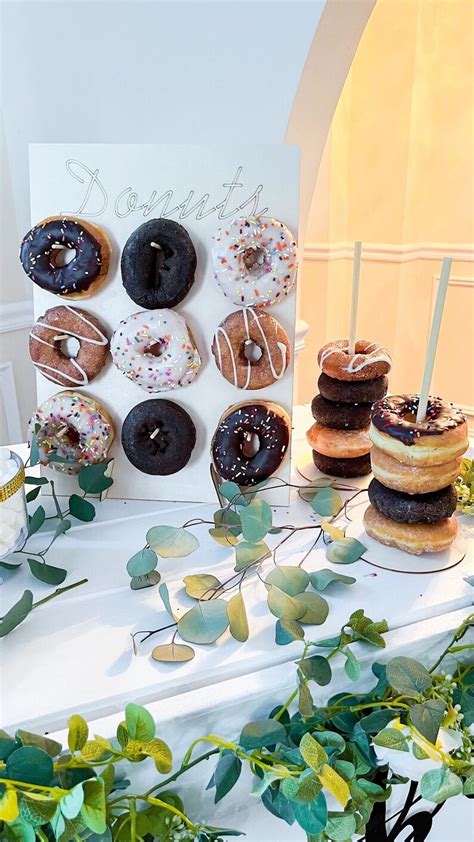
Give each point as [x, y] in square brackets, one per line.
[413, 508]
[72, 428]
[441, 437]
[87, 270]
[155, 349]
[255, 261]
[352, 391]
[339, 444]
[356, 467]
[341, 416]
[248, 328]
[158, 437]
[240, 428]
[410, 478]
[158, 264]
[413, 538]
[47, 354]
[369, 361]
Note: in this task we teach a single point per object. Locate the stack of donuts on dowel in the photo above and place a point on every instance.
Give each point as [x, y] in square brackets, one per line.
[349, 384]
[412, 496]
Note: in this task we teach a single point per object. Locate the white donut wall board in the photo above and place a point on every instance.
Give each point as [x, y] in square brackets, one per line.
[118, 187]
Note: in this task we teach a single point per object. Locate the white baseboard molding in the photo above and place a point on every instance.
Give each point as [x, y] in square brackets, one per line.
[10, 403]
[17, 315]
[390, 252]
[301, 330]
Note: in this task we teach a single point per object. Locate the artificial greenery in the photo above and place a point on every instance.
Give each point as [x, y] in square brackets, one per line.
[465, 488]
[325, 769]
[92, 480]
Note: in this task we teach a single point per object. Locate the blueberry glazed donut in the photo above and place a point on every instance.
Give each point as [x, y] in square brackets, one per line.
[237, 339]
[255, 261]
[46, 348]
[71, 431]
[155, 349]
[250, 442]
[158, 264]
[42, 256]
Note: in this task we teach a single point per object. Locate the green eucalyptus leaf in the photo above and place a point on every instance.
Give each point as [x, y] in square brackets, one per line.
[226, 775]
[93, 810]
[232, 493]
[50, 746]
[137, 583]
[283, 606]
[308, 492]
[228, 519]
[312, 817]
[376, 721]
[143, 562]
[140, 723]
[291, 580]
[316, 668]
[427, 718]
[316, 606]
[173, 653]
[408, 676]
[468, 786]
[81, 509]
[78, 733]
[36, 810]
[238, 623]
[204, 623]
[202, 586]
[171, 541]
[62, 527]
[16, 614]
[313, 754]
[33, 494]
[341, 827]
[329, 642]
[7, 745]
[440, 784]
[256, 520]
[165, 598]
[286, 631]
[31, 765]
[345, 551]
[6, 566]
[391, 738]
[36, 481]
[322, 578]
[261, 733]
[247, 553]
[71, 803]
[34, 452]
[305, 699]
[160, 753]
[326, 502]
[36, 520]
[92, 479]
[223, 536]
[46, 572]
[352, 666]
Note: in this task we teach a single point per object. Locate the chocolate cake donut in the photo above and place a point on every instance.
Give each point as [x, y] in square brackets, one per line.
[413, 508]
[158, 437]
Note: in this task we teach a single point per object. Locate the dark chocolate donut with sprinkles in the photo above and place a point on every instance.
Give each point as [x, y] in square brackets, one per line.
[250, 442]
[43, 250]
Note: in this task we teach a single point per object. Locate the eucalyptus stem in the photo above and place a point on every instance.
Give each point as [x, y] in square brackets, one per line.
[184, 768]
[58, 592]
[159, 803]
[459, 633]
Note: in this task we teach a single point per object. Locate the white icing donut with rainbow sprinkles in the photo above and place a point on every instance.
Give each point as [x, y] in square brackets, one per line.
[255, 261]
[71, 430]
[156, 350]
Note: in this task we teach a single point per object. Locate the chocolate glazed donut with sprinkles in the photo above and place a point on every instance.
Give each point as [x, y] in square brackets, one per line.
[66, 256]
[250, 442]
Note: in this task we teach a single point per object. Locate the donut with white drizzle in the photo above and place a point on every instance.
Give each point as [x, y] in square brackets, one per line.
[255, 261]
[250, 442]
[46, 346]
[156, 350]
[370, 360]
[251, 349]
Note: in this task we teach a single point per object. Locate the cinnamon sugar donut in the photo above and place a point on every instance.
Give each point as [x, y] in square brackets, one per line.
[339, 444]
[369, 361]
[441, 437]
[237, 339]
[413, 538]
[46, 350]
[410, 478]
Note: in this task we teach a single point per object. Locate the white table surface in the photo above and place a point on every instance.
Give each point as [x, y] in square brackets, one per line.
[74, 654]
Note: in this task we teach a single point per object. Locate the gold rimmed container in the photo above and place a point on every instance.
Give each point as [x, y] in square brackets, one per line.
[13, 513]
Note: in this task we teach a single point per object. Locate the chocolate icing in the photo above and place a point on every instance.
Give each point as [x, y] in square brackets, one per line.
[231, 435]
[389, 416]
[37, 256]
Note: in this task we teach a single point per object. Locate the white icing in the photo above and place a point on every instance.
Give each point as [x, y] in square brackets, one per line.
[277, 375]
[179, 360]
[358, 361]
[274, 273]
[83, 379]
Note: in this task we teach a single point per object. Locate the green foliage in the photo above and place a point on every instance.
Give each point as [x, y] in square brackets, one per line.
[345, 551]
[261, 732]
[321, 579]
[440, 784]
[291, 580]
[171, 542]
[408, 676]
[237, 615]
[256, 519]
[143, 562]
[326, 502]
[204, 623]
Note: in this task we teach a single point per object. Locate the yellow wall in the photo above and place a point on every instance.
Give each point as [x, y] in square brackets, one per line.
[398, 168]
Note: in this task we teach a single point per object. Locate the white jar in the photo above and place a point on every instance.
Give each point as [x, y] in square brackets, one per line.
[13, 514]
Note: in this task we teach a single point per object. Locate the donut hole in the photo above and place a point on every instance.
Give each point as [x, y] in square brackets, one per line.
[251, 351]
[68, 435]
[156, 349]
[250, 445]
[156, 436]
[68, 345]
[163, 253]
[254, 260]
[62, 256]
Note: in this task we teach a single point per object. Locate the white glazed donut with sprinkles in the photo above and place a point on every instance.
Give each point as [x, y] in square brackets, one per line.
[156, 350]
[71, 430]
[255, 261]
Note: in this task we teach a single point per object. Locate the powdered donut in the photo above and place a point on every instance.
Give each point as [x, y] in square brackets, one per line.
[156, 350]
[255, 261]
[369, 361]
[241, 333]
[47, 354]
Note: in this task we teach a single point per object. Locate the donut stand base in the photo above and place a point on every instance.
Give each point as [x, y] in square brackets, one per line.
[308, 471]
[393, 559]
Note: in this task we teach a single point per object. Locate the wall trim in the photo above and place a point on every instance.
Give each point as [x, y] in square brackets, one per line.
[301, 329]
[17, 315]
[390, 252]
[10, 403]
